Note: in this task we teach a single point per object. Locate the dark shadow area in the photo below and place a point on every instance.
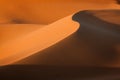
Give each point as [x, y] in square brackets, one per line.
[37, 72]
[118, 1]
[100, 35]
[18, 21]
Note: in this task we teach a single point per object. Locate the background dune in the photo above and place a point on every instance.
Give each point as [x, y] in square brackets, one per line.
[12, 31]
[46, 11]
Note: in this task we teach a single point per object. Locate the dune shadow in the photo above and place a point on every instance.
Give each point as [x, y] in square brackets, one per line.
[38, 72]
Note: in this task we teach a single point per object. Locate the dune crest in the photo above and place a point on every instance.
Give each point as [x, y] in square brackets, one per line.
[95, 43]
[38, 40]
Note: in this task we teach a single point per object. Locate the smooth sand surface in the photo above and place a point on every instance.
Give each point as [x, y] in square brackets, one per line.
[26, 45]
[77, 6]
[74, 50]
[46, 11]
[94, 44]
[12, 31]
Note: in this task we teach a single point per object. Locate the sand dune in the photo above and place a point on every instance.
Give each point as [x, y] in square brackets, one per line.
[61, 50]
[92, 45]
[22, 40]
[38, 40]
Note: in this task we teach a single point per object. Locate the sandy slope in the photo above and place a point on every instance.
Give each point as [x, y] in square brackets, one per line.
[32, 14]
[12, 31]
[94, 44]
[66, 51]
[38, 40]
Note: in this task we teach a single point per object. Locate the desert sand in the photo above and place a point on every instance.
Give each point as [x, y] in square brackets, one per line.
[11, 31]
[40, 41]
[40, 12]
[24, 46]
[44, 17]
[46, 11]
[93, 44]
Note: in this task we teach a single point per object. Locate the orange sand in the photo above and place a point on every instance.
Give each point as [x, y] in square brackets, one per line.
[15, 45]
[46, 11]
[38, 40]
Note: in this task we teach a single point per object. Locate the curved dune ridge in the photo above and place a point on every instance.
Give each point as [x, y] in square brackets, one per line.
[38, 40]
[29, 13]
[96, 43]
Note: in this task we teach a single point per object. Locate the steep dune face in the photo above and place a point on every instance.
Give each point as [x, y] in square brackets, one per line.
[38, 40]
[46, 11]
[94, 44]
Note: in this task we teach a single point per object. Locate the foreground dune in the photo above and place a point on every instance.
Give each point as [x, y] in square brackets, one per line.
[94, 44]
[17, 42]
[78, 49]
[38, 40]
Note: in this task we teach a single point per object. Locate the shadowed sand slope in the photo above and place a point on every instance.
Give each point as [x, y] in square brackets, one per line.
[94, 44]
[118, 1]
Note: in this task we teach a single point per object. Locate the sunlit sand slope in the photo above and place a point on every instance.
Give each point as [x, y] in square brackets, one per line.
[37, 40]
[11, 31]
[94, 44]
